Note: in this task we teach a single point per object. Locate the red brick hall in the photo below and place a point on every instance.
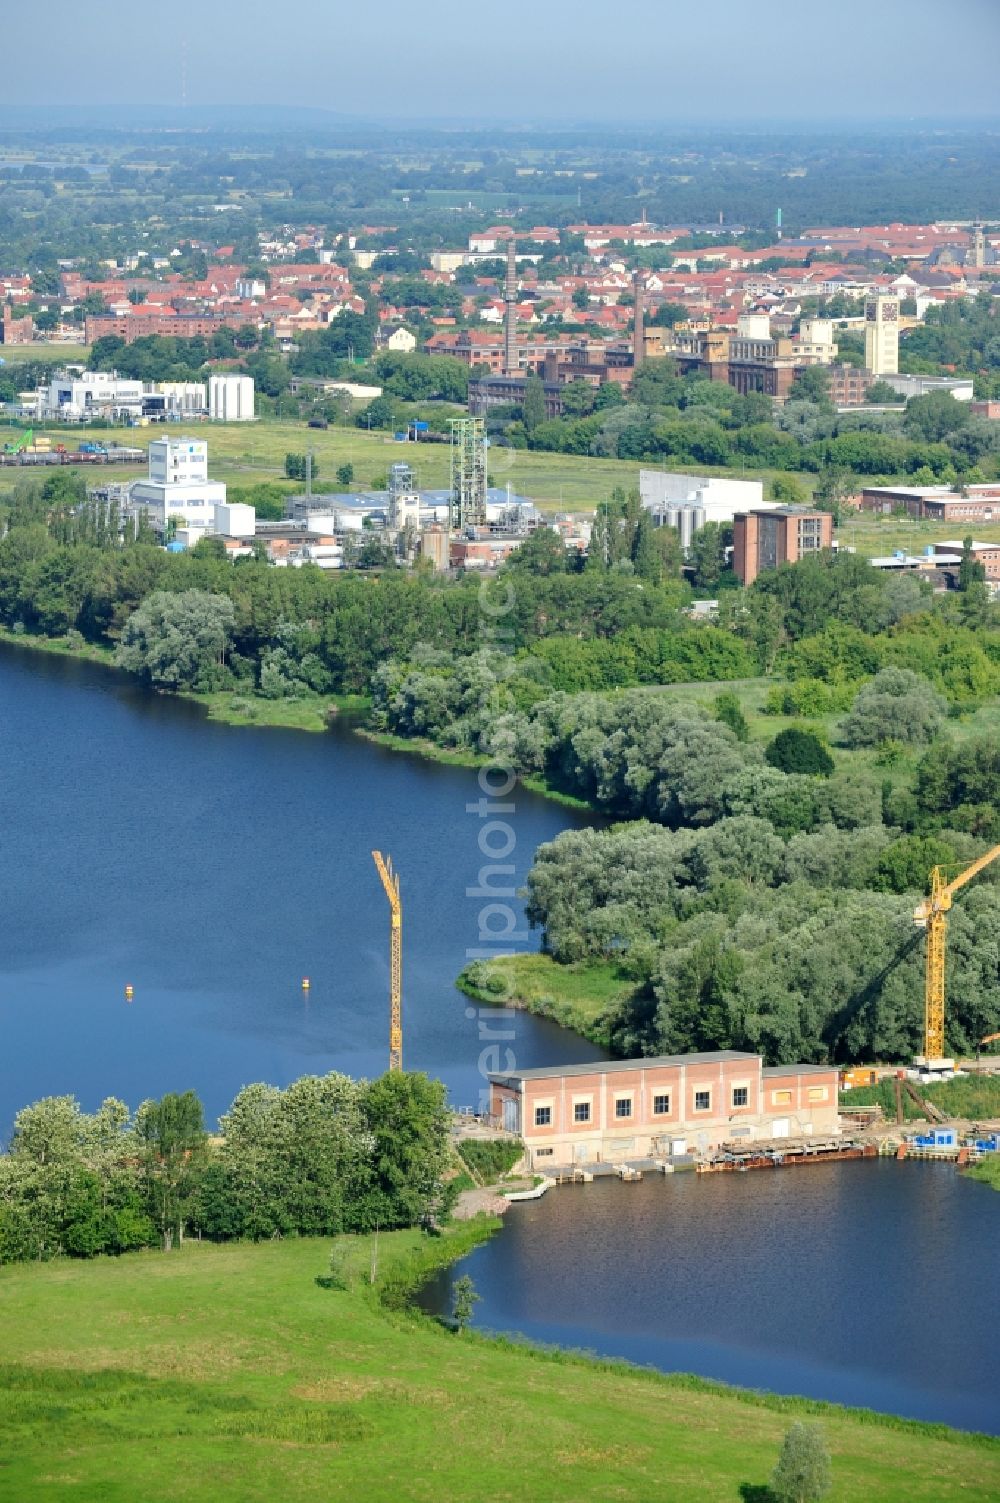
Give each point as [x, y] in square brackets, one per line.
[666, 1105]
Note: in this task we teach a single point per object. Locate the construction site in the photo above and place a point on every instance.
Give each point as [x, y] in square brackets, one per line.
[725, 1110]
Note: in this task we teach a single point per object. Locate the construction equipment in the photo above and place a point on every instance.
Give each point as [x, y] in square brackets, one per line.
[991, 1038]
[390, 881]
[931, 914]
[20, 443]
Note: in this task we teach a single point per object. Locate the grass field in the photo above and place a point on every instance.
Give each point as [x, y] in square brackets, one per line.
[242, 453]
[52, 354]
[229, 1373]
[577, 996]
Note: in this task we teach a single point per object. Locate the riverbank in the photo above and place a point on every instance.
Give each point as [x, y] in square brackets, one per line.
[226, 1368]
[584, 998]
[228, 706]
[420, 746]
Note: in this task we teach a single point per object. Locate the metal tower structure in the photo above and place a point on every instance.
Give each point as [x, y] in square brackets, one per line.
[468, 472]
[390, 881]
[510, 312]
[931, 914]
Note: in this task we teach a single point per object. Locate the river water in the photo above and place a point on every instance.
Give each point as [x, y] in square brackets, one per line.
[212, 868]
[868, 1283]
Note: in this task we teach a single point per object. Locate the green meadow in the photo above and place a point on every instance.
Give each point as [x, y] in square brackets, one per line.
[238, 1373]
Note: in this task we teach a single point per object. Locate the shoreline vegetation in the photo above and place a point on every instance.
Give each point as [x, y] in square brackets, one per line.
[234, 707]
[579, 997]
[343, 1379]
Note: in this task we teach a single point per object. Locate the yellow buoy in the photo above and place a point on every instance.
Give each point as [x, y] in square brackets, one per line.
[305, 983]
[129, 993]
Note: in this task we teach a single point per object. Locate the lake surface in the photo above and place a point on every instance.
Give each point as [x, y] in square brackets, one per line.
[213, 867]
[867, 1283]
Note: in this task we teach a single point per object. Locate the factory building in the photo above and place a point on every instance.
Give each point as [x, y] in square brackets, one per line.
[937, 503]
[717, 496]
[231, 399]
[669, 1105]
[179, 494]
[763, 539]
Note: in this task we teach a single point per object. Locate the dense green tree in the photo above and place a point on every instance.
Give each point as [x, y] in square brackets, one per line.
[464, 1301]
[176, 641]
[802, 1474]
[707, 554]
[729, 710]
[795, 750]
[533, 404]
[897, 705]
[542, 552]
[172, 1134]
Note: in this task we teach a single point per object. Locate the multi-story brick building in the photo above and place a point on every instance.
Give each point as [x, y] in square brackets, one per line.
[668, 1105]
[779, 535]
[138, 325]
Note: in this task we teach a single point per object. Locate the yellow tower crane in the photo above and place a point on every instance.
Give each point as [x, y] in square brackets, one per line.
[390, 881]
[931, 914]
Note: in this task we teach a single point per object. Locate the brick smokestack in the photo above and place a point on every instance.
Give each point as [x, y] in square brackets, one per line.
[510, 313]
[638, 342]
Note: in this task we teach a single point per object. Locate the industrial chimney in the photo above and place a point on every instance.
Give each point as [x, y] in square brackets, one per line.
[510, 313]
[638, 340]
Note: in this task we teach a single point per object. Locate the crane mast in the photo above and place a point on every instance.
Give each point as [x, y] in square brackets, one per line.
[390, 881]
[932, 914]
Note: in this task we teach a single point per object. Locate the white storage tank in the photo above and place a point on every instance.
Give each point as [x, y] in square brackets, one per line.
[231, 399]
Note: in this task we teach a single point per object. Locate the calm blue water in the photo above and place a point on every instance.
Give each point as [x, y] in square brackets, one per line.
[865, 1283]
[212, 868]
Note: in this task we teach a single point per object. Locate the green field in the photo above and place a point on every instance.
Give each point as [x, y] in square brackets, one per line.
[245, 453]
[228, 1373]
[577, 996]
[242, 453]
[21, 354]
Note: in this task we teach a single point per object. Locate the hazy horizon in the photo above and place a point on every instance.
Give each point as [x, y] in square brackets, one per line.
[670, 64]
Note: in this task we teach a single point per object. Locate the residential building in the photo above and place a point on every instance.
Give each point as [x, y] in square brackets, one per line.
[142, 322]
[763, 539]
[667, 1105]
[399, 339]
[14, 329]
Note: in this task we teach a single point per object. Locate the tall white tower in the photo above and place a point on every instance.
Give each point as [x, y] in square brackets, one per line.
[882, 334]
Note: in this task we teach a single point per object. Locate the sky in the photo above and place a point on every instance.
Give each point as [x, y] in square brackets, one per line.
[688, 61]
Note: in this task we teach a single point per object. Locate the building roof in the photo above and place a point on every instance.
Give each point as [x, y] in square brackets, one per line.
[613, 1066]
[795, 1069]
